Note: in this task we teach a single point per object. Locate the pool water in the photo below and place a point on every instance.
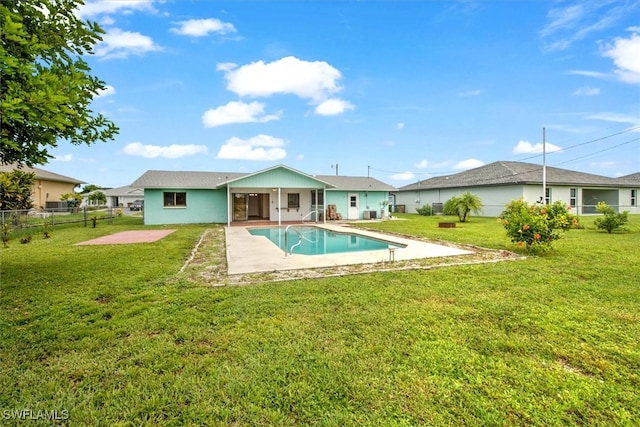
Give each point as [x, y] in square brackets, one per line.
[318, 241]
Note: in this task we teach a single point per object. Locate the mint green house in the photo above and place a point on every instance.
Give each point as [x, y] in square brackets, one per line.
[278, 194]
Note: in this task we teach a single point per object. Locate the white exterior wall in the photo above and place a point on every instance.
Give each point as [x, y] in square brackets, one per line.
[493, 198]
[625, 201]
[287, 214]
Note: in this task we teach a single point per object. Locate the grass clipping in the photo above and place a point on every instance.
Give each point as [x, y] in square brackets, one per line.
[207, 264]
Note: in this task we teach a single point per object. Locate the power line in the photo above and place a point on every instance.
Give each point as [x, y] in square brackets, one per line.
[631, 129]
[598, 152]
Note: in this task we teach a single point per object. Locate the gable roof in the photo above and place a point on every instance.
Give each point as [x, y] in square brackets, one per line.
[41, 174]
[182, 179]
[127, 190]
[286, 168]
[509, 173]
[633, 178]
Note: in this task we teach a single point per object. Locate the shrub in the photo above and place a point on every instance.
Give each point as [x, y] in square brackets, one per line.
[5, 232]
[536, 226]
[612, 220]
[426, 210]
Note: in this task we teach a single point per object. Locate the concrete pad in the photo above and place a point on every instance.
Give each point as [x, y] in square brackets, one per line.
[124, 237]
[253, 254]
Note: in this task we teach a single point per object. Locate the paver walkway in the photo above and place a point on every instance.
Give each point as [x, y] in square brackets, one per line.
[124, 237]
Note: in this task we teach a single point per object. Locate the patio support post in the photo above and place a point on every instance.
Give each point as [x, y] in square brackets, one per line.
[279, 208]
[229, 207]
[324, 205]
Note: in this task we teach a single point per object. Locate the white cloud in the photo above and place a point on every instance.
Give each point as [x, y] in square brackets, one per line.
[260, 147]
[300, 157]
[468, 164]
[101, 7]
[202, 27]
[422, 164]
[107, 91]
[226, 66]
[525, 147]
[626, 56]
[616, 118]
[332, 107]
[173, 151]
[403, 176]
[400, 125]
[63, 158]
[603, 165]
[315, 80]
[121, 44]
[237, 112]
[594, 74]
[475, 92]
[574, 21]
[587, 91]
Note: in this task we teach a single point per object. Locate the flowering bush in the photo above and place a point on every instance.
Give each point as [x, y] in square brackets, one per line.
[536, 226]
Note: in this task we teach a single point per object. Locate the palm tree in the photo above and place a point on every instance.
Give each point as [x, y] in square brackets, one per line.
[465, 203]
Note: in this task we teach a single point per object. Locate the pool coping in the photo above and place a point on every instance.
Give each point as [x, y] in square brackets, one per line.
[247, 253]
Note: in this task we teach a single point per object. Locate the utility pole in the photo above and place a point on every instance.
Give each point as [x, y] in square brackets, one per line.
[368, 170]
[544, 166]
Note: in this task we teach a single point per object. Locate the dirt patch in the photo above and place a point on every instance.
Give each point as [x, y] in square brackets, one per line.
[125, 237]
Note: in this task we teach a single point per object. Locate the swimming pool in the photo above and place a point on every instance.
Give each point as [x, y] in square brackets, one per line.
[319, 241]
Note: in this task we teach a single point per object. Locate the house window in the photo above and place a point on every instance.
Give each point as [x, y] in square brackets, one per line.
[547, 196]
[172, 199]
[634, 195]
[573, 196]
[320, 198]
[293, 200]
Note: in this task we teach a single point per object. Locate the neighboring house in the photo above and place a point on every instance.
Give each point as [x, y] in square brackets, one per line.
[86, 198]
[275, 194]
[47, 186]
[122, 197]
[501, 182]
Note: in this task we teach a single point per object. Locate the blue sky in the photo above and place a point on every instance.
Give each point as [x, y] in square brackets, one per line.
[400, 90]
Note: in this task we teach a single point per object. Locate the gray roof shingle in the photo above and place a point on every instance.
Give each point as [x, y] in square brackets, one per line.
[633, 178]
[356, 183]
[182, 179]
[42, 174]
[508, 173]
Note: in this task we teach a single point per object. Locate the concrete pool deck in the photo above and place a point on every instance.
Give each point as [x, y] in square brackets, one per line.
[256, 254]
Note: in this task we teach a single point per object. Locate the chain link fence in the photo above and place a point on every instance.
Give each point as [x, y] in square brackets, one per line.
[25, 219]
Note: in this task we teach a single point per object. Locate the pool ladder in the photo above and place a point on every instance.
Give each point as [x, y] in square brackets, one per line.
[288, 251]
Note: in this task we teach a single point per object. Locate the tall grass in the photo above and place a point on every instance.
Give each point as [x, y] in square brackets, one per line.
[116, 336]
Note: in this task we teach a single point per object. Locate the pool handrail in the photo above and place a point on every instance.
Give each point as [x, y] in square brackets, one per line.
[309, 214]
[288, 251]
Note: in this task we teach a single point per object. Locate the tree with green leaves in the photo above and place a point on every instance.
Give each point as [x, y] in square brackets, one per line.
[89, 188]
[15, 190]
[462, 205]
[46, 87]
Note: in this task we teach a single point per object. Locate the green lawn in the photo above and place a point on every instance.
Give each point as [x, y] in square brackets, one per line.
[115, 335]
